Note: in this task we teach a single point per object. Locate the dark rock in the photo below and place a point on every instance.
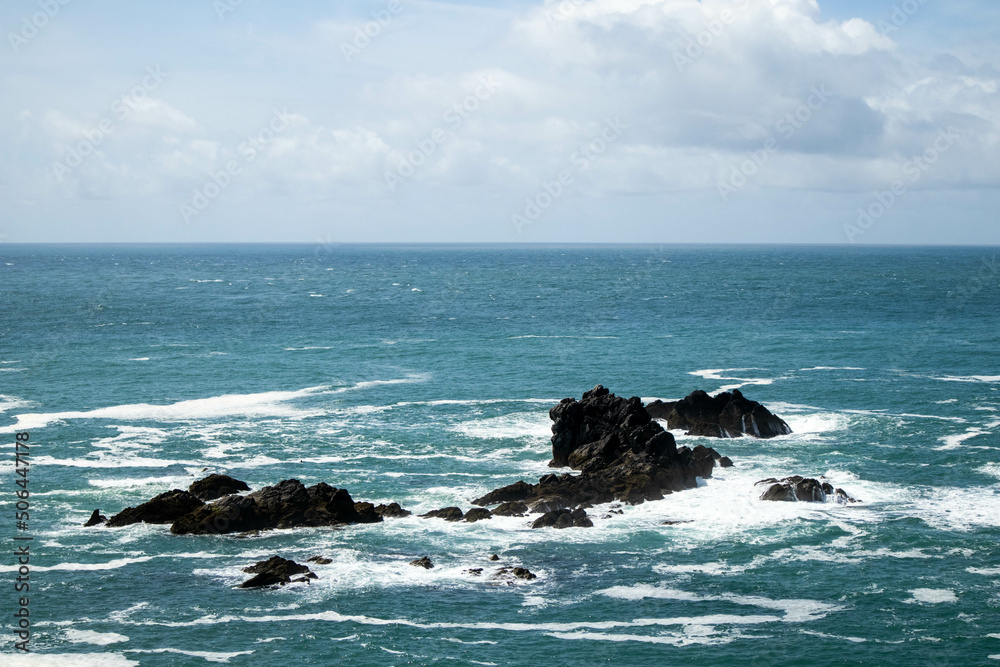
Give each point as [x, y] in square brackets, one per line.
[494, 557]
[620, 451]
[802, 489]
[423, 562]
[95, 519]
[515, 508]
[216, 486]
[563, 519]
[675, 522]
[319, 560]
[515, 572]
[726, 415]
[725, 462]
[366, 513]
[392, 510]
[446, 513]
[510, 493]
[478, 514]
[475, 571]
[164, 508]
[275, 571]
[288, 504]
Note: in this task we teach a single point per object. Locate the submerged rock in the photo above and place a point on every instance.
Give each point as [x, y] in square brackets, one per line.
[216, 486]
[803, 489]
[515, 572]
[95, 519]
[164, 508]
[424, 562]
[276, 571]
[563, 519]
[726, 415]
[620, 451]
[319, 560]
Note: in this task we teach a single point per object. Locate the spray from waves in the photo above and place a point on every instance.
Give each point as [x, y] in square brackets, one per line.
[264, 404]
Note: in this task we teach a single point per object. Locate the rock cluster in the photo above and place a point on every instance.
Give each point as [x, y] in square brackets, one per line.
[620, 451]
[276, 571]
[803, 489]
[726, 415]
[215, 486]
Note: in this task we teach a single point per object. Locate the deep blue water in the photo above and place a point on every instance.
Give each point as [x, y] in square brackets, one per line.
[424, 375]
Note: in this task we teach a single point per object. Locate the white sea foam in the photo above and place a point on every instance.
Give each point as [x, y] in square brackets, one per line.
[140, 359]
[832, 368]
[93, 637]
[208, 656]
[13, 403]
[68, 660]
[932, 595]
[717, 374]
[308, 347]
[968, 378]
[513, 426]
[985, 571]
[955, 441]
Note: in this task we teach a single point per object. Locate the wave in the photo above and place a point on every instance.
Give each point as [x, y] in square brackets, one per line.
[932, 595]
[968, 378]
[93, 637]
[68, 660]
[208, 656]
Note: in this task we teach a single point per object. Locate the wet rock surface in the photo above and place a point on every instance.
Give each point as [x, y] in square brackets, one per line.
[216, 486]
[164, 508]
[803, 489]
[276, 571]
[726, 415]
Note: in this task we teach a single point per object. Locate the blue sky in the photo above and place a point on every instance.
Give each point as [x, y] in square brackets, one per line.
[762, 121]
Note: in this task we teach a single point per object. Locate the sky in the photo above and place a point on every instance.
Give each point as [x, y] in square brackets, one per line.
[511, 121]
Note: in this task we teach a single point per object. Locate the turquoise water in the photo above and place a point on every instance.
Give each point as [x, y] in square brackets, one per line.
[424, 375]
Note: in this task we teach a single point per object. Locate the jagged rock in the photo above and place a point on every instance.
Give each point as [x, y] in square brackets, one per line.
[392, 510]
[216, 486]
[95, 519]
[802, 489]
[164, 508]
[563, 519]
[475, 571]
[319, 560]
[726, 415]
[494, 557]
[288, 504]
[478, 514]
[446, 513]
[275, 571]
[423, 562]
[515, 508]
[367, 513]
[620, 451]
[725, 462]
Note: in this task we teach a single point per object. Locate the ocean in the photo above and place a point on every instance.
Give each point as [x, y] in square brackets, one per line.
[424, 375]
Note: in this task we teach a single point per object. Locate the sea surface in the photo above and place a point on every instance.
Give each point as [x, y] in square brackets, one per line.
[424, 375]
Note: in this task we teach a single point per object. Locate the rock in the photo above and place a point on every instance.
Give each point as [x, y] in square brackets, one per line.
[392, 510]
[515, 508]
[446, 513]
[423, 562]
[494, 557]
[621, 453]
[802, 489]
[726, 415]
[95, 519]
[164, 508]
[366, 513]
[216, 486]
[675, 522]
[478, 514]
[725, 462]
[475, 571]
[319, 560]
[275, 571]
[288, 504]
[563, 519]
[515, 572]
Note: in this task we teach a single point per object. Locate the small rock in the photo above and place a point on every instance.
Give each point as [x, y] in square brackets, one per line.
[423, 562]
[518, 572]
[476, 571]
[95, 519]
[392, 510]
[319, 560]
[494, 557]
[275, 571]
[478, 514]
[675, 522]
[563, 518]
[446, 513]
[513, 508]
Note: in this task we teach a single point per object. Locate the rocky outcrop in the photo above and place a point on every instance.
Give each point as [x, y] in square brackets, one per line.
[95, 519]
[563, 519]
[164, 508]
[424, 562]
[216, 486]
[478, 514]
[515, 573]
[515, 508]
[276, 571]
[803, 489]
[288, 504]
[446, 513]
[392, 510]
[620, 451]
[726, 415]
